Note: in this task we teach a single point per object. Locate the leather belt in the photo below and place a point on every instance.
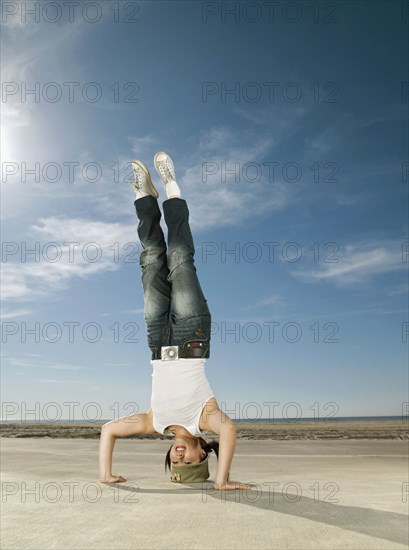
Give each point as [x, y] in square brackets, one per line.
[194, 350]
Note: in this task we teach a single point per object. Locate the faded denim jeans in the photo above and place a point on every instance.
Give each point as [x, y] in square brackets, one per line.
[175, 309]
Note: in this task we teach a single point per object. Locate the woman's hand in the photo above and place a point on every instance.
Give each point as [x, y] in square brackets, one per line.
[230, 486]
[113, 479]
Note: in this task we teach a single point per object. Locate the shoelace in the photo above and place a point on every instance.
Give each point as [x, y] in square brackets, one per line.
[166, 171]
[137, 173]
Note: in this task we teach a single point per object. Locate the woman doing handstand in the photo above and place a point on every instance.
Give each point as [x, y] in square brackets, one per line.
[178, 330]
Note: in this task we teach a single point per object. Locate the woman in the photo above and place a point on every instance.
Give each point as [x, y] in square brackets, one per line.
[178, 326]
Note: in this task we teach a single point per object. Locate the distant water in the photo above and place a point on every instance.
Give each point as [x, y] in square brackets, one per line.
[323, 419]
[326, 419]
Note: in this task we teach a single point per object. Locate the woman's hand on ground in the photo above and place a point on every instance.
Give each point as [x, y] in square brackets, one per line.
[230, 486]
[113, 479]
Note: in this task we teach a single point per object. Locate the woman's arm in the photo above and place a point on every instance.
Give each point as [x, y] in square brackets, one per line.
[227, 446]
[133, 424]
[219, 423]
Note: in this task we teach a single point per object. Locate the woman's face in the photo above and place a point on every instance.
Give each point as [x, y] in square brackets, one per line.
[186, 450]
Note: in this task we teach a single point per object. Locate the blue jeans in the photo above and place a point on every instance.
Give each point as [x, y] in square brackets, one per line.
[175, 309]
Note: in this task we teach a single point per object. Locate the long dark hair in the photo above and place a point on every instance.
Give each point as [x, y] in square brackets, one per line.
[207, 447]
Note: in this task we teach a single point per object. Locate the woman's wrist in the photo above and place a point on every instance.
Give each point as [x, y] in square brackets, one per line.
[105, 475]
[218, 481]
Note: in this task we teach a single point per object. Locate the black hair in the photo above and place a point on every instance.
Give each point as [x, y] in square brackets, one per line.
[207, 447]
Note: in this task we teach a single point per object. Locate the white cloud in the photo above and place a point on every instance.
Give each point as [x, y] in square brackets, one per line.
[69, 249]
[398, 289]
[143, 146]
[54, 381]
[39, 364]
[137, 311]
[283, 117]
[11, 314]
[273, 300]
[332, 135]
[357, 263]
[344, 128]
[217, 140]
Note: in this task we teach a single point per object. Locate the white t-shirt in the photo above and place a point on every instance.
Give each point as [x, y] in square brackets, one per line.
[180, 390]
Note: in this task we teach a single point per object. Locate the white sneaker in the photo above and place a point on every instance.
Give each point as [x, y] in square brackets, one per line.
[143, 182]
[165, 168]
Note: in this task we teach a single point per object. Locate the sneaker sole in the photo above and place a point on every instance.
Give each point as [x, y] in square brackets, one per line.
[151, 187]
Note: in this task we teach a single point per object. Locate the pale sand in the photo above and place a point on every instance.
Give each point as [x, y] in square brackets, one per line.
[385, 429]
[315, 495]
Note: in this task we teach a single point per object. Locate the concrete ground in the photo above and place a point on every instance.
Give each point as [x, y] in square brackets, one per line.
[306, 495]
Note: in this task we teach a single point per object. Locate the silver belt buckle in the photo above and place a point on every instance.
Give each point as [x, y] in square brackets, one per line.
[169, 353]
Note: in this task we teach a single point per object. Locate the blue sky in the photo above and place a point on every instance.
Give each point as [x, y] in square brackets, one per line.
[335, 131]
